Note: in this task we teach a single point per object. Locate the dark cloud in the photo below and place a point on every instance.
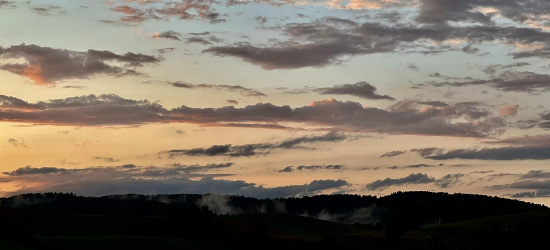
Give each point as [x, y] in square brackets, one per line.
[312, 188]
[446, 181]
[7, 4]
[287, 169]
[507, 153]
[184, 10]
[443, 11]
[469, 49]
[113, 110]
[328, 137]
[164, 50]
[198, 40]
[393, 153]
[233, 102]
[508, 81]
[41, 11]
[535, 140]
[99, 181]
[411, 179]
[28, 170]
[255, 149]
[535, 174]
[449, 180]
[522, 195]
[233, 88]
[483, 172]
[542, 52]
[359, 89]
[46, 65]
[82, 110]
[168, 35]
[74, 87]
[419, 166]
[106, 159]
[17, 142]
[422, 165]
[546, 120]
[492, 69]
[434, 103]
[134, 15]
[542, 187]
[312, 168]
[127, 170]
[427, 151]
[323, 43]
[183, 169]
[352, 115]
[413, 67]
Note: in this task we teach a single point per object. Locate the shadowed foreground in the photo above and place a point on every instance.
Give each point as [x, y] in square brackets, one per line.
[63, 221]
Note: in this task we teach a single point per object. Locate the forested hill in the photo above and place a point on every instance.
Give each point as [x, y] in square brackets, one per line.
[412, 209]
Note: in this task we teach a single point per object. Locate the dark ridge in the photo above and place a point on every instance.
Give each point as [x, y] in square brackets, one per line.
[402, 220]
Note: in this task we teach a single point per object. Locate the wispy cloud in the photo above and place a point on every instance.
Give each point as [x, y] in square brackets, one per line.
[233, 88]
[257, 148]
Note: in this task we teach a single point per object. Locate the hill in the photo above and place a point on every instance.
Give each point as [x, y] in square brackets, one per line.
[401, 220]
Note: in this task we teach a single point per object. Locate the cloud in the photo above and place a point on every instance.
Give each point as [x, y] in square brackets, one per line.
[8, 4]
[546, 120]
[28, 170]
[82, 110]
[126, 170]
[493, 69]
[104, 110]
[312, 168]
[422, 165]
[535, 140]
[469, 49]
[508, 81]
[325, 42]
[446, 181]
[506, 153]
[100, 181]
[255, 149]
[184, 10]
[393, 153]
[542, 52]
[17, 142]
[167, 35]
[183, 169]
[198, 40]
[427, 151]
[233, 102]
[312, 188]
[411, 179]
[449, 180]
[442, 12]
[509, 110]
[45, 66]
[535, 174]
[287, 169]
[419, 166]
[522, 195]
[106, 159]
[434, 103]
[359, 89]
[233, 88]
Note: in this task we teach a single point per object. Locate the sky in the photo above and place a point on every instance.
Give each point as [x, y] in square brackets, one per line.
[275, 98]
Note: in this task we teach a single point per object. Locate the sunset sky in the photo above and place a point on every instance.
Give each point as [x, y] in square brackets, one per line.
[275, 98]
